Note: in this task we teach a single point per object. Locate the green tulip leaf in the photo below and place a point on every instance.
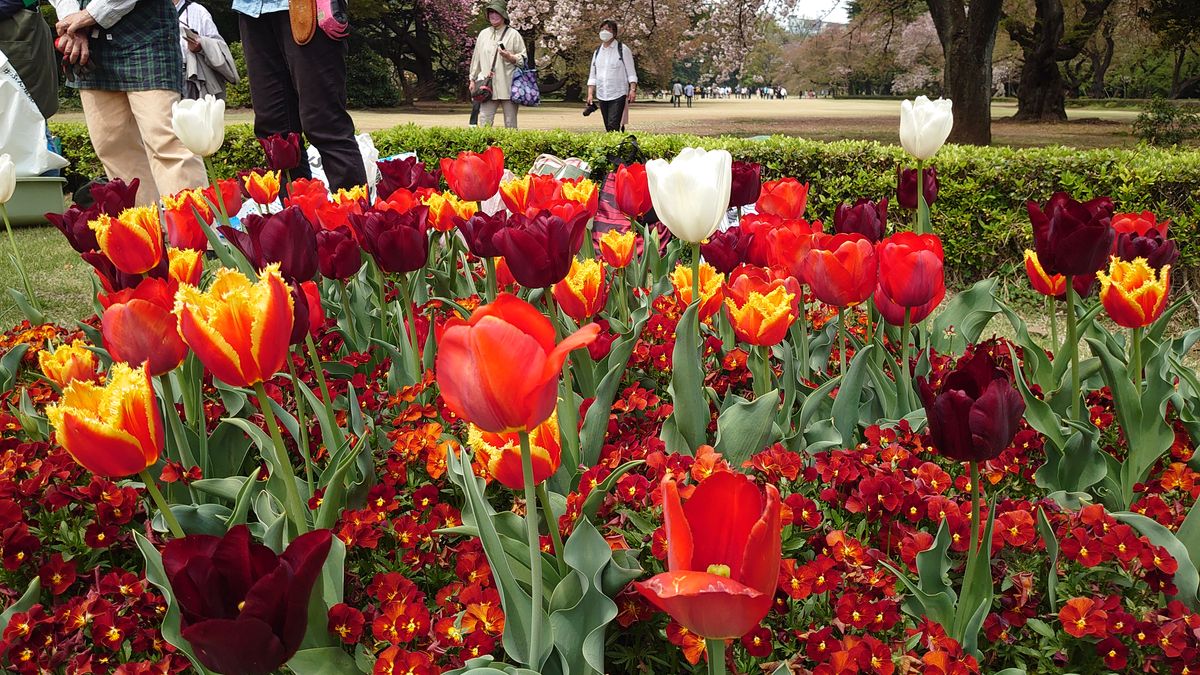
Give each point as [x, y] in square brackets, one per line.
[10, 366]
[745, 428]
[1187, 578]
[579, 609]
[978, 589]
[1046, 530]
[33, 593]
[691, 412]
[323, 661]
[848, 402]
[965, 318]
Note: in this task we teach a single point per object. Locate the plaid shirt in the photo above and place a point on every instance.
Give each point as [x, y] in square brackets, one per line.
[139, 53]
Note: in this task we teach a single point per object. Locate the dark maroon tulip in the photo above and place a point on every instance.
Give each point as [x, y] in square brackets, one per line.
[539, 248]
[338, 254]
[300, 314]
[746, 184]
[243, 609]
[407, 174]
[283, 151]
[600, 348]
[975, 413]
[286, 238]
[113, 279]
[727, 249]
[115, 196]
[480, 229]
[1072, 237]
[73, 223]
[906, 189]
[866, 217]
[1157, 250]
[396, 240]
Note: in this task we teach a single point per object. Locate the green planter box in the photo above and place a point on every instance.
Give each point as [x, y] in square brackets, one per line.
[34, 198]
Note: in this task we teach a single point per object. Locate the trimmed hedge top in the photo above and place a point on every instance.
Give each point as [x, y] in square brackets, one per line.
[980, 211]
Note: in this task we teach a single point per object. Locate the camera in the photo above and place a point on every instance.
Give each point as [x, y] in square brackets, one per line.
[591, 108]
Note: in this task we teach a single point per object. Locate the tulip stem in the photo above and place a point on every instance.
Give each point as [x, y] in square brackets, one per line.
[409, 317]
[976, 526]
[302, 441]
[1052, 315]
[800, 329]
[344, 295]
[16, 252]
[319, 371]
[489, 268]
[552, 527]
[181, 445]
[535, 549]
[1135, 357]
[1073, 348]
[293, 504]
[905, 373]
[696, 276]
[760, 369]
[161, 503]
[716, 656]
[842, 340]
[920, 194]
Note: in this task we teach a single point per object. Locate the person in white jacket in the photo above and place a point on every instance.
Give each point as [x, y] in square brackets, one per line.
[612, 79]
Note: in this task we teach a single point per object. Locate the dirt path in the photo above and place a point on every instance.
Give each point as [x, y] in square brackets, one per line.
[821, 119]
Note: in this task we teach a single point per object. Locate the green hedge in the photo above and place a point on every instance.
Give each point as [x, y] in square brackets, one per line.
[980, 211]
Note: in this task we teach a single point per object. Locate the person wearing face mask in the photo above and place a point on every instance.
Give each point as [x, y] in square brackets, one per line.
[499, 49]
[612, 80]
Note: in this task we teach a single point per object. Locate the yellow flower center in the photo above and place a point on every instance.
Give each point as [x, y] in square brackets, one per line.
[719, 570]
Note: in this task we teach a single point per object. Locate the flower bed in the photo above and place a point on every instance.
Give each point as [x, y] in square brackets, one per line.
[352, 433]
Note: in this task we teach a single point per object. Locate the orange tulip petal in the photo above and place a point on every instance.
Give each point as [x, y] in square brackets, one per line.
[733, 501]
[710, 606]
[211, 347]
[515, 311]
[102, 449]
[679, 531]
[583, 337]
[271, 327]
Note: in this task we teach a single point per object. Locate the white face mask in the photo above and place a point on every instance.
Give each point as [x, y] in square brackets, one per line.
[605, 36]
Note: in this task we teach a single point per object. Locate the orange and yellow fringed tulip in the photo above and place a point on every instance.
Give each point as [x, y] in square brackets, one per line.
[617, 247]
[531, 191]
[69, 363]
[354, 194]
[263, 188]
[582, 191]
[133, 241]
[500, 453]
[583, 293]
[184, 265]
[238, 329]
[1133, 293]
[113, 430]
[711, 288]
[1046, 284]
[447, 211]
[761, 313]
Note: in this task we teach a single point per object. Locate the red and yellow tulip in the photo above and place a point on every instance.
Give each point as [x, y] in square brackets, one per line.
[184, 265]
[183, 213]
[761, 309]
[617, 247]
[531, 191]
[447, 211]
[263, 188]
[238, 329]
[711, 288]
[138, 326]
[113, 430]
[1047, 284]
[1133, 293]
[500, 453]
[583, 293]
[69, 363]
[133, 241]
[499, 370]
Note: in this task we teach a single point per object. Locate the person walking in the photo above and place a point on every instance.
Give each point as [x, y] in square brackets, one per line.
[207, 62]
[301, 88]
[127, 66]
[499, 49]
[689, 91]
[676, 93]
[612, 79]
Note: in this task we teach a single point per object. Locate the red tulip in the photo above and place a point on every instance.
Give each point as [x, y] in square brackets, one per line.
[475, 176]
[975, 411]
[910, 268]
[756, 229]
[841, 269]
[540, 248]
[788, 245]
[405, 174]
[480, 230]
[785, 198]
[500, 453]
[231, 195]
[133, 241]
[723, 555]
[138, 327]
[185, 266]
[906, 187]
[1070, 237]
[395, 240]
[181, 213]
[282, 151]
[633, 191]
[531, 191]
[1139, 223]
[583, 293]
[727, 249]
[338, 254]
[286, 238]
[761, 309]
[499, 370]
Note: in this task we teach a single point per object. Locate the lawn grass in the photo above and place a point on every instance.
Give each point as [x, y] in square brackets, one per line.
[60, 278]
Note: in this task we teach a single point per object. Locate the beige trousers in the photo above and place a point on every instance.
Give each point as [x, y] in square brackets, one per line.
[131, 132]
[487, 113]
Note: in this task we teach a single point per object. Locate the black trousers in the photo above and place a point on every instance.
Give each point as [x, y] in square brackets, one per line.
[302, 89]
[612, 112]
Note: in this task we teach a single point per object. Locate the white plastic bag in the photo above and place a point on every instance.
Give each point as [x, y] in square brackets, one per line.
[22, 128]
[366, 147]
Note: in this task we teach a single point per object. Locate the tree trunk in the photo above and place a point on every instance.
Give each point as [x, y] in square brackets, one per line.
[1040, 96]
[1101, 60]
[967, 43]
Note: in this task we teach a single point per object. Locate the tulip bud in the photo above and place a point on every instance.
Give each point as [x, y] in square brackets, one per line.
[1071, 237]
[1152, 247]
[540, 248]
[282, 151]
[263, 188]
[975, 412]
[616, 247]
[479, 230]
[632, 190]
[475, 176]
[405, 174]
[396, 241]
[138, 326]
[746, 183]
[338, 254]
[786, 198]
[183, 213]
[8, 178]
[866, 217]
[711, 288]
[906, 187]
[727, 249]
[200, 124]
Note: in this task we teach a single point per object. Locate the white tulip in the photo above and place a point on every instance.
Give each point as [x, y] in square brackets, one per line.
[924, 125]
[8, 178]
[200, 124]
[691, 192]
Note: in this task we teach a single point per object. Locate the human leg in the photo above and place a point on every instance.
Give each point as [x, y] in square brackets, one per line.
[272, 94]
[487, 113]
[174, 167]
[115, 137]
[510, 114]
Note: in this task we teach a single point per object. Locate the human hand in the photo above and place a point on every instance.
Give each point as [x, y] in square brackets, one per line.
[632, 95]
[193, 45]
[74, 48]
[74, 23]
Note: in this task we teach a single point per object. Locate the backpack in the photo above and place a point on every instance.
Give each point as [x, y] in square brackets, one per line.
[620, 57]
